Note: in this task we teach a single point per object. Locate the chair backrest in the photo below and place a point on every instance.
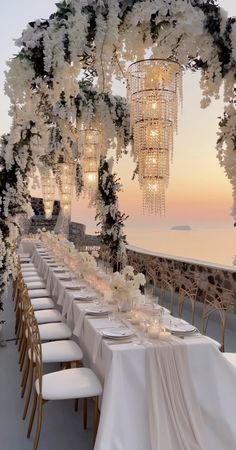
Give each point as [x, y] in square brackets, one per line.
[220, 301]
[35, 345]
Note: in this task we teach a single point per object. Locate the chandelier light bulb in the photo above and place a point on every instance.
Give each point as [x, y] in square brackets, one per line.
[48, 192]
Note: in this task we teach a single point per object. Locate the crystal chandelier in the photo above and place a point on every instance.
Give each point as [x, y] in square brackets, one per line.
[48, 191]
[90, 148]
[65, 177]
[154, 90]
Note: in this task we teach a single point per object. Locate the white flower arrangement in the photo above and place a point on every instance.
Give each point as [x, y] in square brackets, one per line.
[125, 287]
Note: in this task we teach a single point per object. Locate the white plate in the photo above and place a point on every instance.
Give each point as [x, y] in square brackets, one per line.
[117, 333]
[73, 287]
[97, 311]
[181, 328]
[84, 299]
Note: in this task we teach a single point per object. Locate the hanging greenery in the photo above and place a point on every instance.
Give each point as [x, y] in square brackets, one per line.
[78, 180]
[110, 220]
[18, 158]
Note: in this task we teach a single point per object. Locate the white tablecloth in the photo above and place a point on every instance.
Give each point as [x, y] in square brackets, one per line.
[28, 246]
[132, 404]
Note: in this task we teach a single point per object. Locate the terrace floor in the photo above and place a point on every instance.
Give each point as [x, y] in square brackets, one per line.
[62, 427]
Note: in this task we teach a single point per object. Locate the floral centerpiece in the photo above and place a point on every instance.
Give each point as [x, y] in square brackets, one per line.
[125, 288]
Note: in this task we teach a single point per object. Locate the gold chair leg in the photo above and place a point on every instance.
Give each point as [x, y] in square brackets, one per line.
[39, 423]
[25, 377]
[85, 413]
[204, 325]
[96, 418]
[181, 304]
[23, 355]
[27, 401]
[18, 331]
[193, 311]
[32, 415]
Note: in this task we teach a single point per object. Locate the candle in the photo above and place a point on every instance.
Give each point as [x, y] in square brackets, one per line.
[164, 334]
[153, 331]
[135, 318]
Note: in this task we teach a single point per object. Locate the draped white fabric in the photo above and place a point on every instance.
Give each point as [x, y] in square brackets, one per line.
[175, 419]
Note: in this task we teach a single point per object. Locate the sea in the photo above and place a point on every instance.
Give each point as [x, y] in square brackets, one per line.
[210, 245]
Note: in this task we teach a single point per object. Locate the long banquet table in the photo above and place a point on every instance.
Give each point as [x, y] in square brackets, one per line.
[178, 394]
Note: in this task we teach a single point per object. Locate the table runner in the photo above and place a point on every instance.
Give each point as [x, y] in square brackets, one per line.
[175, 419]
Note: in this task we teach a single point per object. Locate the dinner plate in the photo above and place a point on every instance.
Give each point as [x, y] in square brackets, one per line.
[181, 328]
[73, 287]
[97, 311]
[117, 333]
[64, 277]
[84, 299]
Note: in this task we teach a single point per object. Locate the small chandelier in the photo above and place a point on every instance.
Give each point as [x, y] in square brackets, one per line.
[65, 177]
[154, 90]
[90, 148]
[48, 191]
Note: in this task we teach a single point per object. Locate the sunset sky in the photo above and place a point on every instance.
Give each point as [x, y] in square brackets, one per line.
[199, 193]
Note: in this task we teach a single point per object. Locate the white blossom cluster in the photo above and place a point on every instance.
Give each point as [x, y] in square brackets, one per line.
[125, 284]
[226, 147]
[20, 151]
[82, 263]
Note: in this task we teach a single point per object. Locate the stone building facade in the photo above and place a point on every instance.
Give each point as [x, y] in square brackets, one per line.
[77, 231]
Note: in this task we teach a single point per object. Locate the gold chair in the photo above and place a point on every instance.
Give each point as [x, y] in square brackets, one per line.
[218, 300]
[187, 292]
[66, 352]
[65, 384]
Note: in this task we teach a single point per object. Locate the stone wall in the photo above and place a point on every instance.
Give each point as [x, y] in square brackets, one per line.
[77, 234]
[207, 276]
[38, 220]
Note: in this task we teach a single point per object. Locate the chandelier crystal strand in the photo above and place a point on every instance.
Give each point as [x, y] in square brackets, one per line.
[65, 176]
[90, 148]
[154, 90]
[48, 191]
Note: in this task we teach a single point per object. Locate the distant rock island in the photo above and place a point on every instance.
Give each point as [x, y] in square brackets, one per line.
[181, 227]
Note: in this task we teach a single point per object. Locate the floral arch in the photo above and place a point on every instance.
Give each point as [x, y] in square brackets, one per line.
[63, 75]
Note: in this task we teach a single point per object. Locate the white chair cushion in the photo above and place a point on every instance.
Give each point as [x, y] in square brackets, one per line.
[70, 384]
[38, 293]
[62, 351]
[231, 357]
[29, 278]
[59, 351]
[27, 266]
[54, 331]
[35, 284]
[24, 255]
[31, 273]
[47, 316]
[42, 303]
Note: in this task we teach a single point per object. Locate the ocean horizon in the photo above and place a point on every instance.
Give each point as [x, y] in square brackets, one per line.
[216, 246]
